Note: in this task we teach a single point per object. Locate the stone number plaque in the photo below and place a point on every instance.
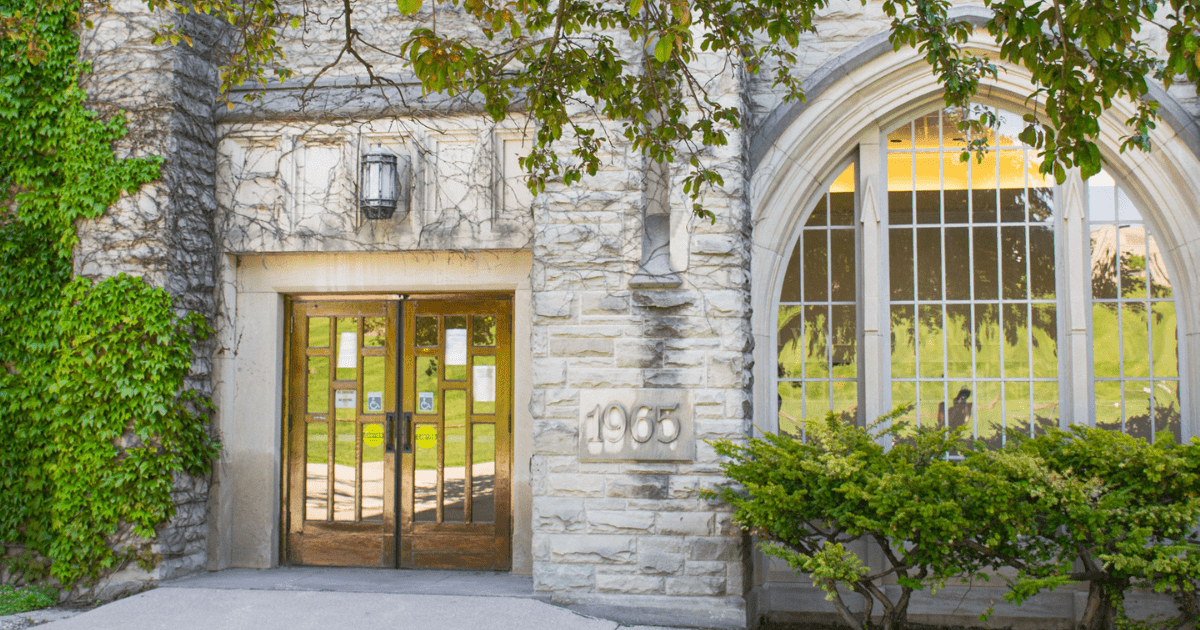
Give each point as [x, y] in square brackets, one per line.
[641, 425]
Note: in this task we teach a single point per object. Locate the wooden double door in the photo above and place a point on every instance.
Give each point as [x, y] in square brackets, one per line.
[399, 432]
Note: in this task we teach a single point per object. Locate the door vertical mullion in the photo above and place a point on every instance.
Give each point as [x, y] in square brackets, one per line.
[331, 420]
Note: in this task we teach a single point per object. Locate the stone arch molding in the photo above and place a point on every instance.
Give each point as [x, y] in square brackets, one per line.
[870, 89]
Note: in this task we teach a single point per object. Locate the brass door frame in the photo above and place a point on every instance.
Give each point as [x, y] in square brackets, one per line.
[466, 544]
[450, 545]
[331, 541]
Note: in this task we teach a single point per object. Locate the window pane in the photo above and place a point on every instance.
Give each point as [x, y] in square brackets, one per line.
[344, 469]
[1131, 248]
[1040, 203]
[455, 477]
[483, 473]
[373, 384]
[1104, 261]
[1012, 200]
[791, 407]
[1106, 346]
[1135, 342]
[347, 348]
[483, 384]
[816, 340]
[318, 385]
[456, 348]
[318, 332]
[931, 335]
[816, 283]
[1045, 340]
[1160, 284]
[1017, 407]
[844, 355]
[932, 405]
[986, 271]
[427, 384]
[819, 216]
[791, 277]
[900, 263]
[958, 259]
[374, 332]
[1166, 345]
[929, 264]
[791, 341]
[900, 201]
[372, 473]
[316, 493]
[483, 330]
[841, 265]
[988, 341]
[1108, 405]
[841, 206]
[901, 138]
[904, 342]
[845, 397]
[955, 194]
[1016, 340]
[425, 477]
[1137, 409]
[1013, 257]
[1166, 411]
[989, 419]
[426, 330]
[1045, 406]
[959, 344]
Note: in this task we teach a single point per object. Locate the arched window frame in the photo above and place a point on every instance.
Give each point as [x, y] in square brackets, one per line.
[1074, 299]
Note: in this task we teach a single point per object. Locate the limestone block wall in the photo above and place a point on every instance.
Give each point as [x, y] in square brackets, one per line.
[635, 539]
[165, 231]
[293, 186]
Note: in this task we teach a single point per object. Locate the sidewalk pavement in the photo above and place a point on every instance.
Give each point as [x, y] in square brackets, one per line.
[332, 598]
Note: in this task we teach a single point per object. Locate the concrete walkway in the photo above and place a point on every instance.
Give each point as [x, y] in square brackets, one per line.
[331, 599]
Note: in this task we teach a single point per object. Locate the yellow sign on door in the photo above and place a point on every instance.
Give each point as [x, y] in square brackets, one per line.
[426, 436]
[372, 435]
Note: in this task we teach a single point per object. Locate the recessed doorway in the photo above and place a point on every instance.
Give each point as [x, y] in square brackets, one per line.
[399, 432]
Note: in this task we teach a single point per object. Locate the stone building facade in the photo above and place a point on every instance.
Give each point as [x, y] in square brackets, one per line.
[617, 296]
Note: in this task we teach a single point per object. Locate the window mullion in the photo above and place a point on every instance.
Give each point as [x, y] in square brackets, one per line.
[1075, 274]
[875, 368]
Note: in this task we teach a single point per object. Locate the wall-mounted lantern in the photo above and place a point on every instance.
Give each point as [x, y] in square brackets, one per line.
[380, 186]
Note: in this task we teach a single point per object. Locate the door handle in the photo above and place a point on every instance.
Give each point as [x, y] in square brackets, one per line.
[388, 445]
[406, 436]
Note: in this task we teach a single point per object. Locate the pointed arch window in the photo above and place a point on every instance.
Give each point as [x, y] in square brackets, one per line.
[981, 274]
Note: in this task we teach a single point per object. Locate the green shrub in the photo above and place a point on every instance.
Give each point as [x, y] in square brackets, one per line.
[1099, 507]
[1066, 507]
[818, 503]
[21, 599]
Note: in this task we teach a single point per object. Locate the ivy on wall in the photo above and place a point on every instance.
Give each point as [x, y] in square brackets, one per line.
[94, 420]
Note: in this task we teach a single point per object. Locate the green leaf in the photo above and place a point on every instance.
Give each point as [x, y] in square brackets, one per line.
[662, 50]
[408, 7]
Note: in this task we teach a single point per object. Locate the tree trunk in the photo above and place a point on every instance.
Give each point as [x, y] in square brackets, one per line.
[1100, 614]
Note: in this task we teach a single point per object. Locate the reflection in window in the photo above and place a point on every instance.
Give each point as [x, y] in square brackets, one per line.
[818, 337]
[972, 276]
[976, 274]
[1135, 348]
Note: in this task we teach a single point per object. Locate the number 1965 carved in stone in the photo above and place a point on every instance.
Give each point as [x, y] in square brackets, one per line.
[636, 425]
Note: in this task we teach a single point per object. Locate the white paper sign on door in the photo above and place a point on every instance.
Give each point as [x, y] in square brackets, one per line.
[456, 346]
[485, 383]
[345, 399]
[348, 351]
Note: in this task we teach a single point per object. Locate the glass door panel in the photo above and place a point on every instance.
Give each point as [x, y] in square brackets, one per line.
[457, 409]
[341, 469]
